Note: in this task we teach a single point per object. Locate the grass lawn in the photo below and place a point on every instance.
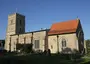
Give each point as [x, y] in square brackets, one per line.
[40, 59]
[86, 60]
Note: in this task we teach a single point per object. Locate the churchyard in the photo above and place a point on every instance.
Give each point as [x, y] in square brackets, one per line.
[44, 59]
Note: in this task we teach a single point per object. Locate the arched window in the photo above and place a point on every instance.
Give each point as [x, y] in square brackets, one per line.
[63, 43]
[20, 30]
[20, 22]
[11, 21]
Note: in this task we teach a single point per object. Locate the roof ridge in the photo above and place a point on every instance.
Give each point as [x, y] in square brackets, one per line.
[62, 30]
[66, 21]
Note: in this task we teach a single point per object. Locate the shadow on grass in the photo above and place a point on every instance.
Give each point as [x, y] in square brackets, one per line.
[38, 59]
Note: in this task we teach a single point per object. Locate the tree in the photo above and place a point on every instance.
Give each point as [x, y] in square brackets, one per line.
[27, 48]
[88, 46]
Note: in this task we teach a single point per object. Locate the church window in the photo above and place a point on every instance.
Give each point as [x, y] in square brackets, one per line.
[20, 22]
[20, 30]
[11, 21]
[36, 43]
[51, 46]
[63, 43]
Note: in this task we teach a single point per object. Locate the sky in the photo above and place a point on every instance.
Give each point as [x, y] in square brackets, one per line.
[43, 13]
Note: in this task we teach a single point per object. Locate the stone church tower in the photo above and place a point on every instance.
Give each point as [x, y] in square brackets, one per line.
[16, 25]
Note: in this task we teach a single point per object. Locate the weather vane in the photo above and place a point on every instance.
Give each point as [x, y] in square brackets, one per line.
[77, 17]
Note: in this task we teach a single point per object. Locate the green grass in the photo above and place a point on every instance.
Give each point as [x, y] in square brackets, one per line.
[86, 60]
[40, 59]
[35, 59]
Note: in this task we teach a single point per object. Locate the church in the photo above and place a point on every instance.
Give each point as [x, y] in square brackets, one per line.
[62, 35]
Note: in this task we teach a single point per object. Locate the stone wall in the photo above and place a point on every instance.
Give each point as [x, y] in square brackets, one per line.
[55, 44]
[26, 38]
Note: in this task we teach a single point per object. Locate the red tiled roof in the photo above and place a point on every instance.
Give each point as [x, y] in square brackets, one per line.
[64, 27]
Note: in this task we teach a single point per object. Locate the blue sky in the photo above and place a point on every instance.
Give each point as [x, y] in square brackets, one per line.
[42, 13]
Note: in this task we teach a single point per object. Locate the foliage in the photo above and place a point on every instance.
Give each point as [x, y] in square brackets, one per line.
[86, 60]
[88, 46]
[66, 51]
[27, 48]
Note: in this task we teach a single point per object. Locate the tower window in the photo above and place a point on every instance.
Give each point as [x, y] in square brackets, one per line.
[11, 22]
[20, 22]
[20, 30]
